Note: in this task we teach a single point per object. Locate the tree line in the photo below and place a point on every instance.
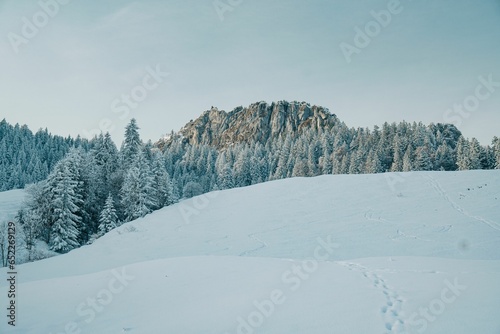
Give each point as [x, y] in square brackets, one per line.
[97, 187]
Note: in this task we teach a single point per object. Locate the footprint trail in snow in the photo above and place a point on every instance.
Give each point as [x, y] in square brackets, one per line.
[391, 311]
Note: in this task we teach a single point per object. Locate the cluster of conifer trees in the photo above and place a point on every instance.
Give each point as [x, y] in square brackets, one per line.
[96, 187]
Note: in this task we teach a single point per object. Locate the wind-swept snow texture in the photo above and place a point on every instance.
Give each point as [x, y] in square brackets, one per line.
[386, 253]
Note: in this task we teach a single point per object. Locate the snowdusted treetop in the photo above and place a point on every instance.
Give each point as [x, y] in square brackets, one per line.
[132, 143]
[108, 219]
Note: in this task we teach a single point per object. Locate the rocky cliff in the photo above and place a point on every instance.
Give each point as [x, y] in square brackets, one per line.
[258, 122]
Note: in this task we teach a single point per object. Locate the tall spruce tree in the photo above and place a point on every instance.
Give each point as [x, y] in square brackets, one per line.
[496, 150]
[108, 219]
[463, 157]
[65, 202]
[132, 144]
[138, 193]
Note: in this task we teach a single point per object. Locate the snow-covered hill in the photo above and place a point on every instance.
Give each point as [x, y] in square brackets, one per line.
[10, 203]
[386, 253]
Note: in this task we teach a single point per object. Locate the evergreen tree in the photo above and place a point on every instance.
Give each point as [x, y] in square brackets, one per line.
[444, 158]
[284, 155]
[374, 163]
[463, 158]
[397, 163]
[496, 150]
[422, 159]
[132, 144]
[357, 162]
[108, 219]
[31, 230]
[161, 183]
[407, 160]
[475, 152]
[241, 169]
[191, 189]
[64, 231]
[138, 193]
[226, 179]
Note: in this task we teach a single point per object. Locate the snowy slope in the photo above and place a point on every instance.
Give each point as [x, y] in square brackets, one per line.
[387, 253]
[10, 203]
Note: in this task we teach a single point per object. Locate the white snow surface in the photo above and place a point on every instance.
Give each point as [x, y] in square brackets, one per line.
[386, 253]
[10, 203]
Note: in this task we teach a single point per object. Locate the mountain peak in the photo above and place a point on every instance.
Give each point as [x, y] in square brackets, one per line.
[259, 121]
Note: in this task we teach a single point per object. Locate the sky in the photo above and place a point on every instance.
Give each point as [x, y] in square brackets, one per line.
[78, 67]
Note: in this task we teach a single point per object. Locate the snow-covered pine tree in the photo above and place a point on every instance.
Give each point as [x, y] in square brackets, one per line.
[132, 144]
[227, 180]
[374, 163]
[408, 160]
[191, 189]
[475, 152]
[162, 183]
[340, 159]
[65, 202]
[108, 219]
[31, 226]
[444, 158]
[463, 158]
[496, 150]
[137, 193]
[241, 169]
[281, 171]
[357, 161]
[398, 148]
[422, 159]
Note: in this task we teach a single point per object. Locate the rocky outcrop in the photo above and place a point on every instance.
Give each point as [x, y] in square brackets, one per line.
[258, 122]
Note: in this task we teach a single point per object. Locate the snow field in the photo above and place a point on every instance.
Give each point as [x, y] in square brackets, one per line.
[331, 254]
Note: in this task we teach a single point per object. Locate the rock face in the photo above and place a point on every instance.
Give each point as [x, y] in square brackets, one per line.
[258, 122]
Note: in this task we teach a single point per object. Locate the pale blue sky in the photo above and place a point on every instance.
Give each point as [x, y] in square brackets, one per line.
[427, 59]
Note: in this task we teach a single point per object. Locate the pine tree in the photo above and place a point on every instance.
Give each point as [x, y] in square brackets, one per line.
[132, 143]
[422, 159]
[191, 189]
[407, 160]
[64, 231]
[397, 161]
[161, 183]
[138, 193]
[31, 227]
[463, 158]
[374, 163]
[108, 219]
[444, 158]
[357, 162]
[475, 152]
[496, 150]
[241, 169]
[226, 179]
[283, 161]
[300, 168]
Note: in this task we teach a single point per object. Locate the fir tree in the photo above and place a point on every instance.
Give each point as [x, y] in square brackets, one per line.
[64, 231]
[161, 183]
[422, 159]
[463, 158]
[138, 193]
[496, 150]
[475, 152]
[444, 158]
[407, 160]
[108, 219]
[132, 143]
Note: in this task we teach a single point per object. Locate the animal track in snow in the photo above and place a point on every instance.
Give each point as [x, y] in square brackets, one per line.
[391, 311]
